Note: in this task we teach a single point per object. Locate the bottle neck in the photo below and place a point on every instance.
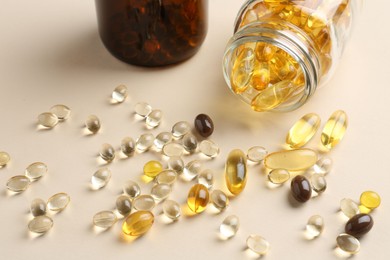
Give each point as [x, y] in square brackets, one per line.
[290, 39]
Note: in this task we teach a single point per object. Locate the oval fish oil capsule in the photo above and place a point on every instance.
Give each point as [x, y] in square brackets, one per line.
[235, 171]
[291, 160]
[198, 198]
[334, 129]
[40, 224]
[138, 223]
[303, 130]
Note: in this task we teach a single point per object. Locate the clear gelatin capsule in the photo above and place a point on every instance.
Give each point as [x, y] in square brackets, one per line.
[105, 219]
[209, 148]
[206, 177]
[318, 183]
[278, 176]
[256, 154]
[303, 130]
[161, 191]
[198, 198]
[132, 189]
[315, 226]
[144, 142]
[48, 120]
[229, 226]
[190, 143]
[93, 124]
[219, 199]
[180, 129]
[349, 207]
[38, 207]
[152, 168]
[119, 94]
[235, 171]
[142, 109]
[370, 199]
[162, 139]
[123, 204]
[154, 118]
[58, 202]
[323, 165]
[128, 146]
[36, 170]
[173, 150]
[166, 177]
[40, 224]
[107, 152]
[172, 209]
[192, 169]
[100, 178]
[334, 129]
[4, 159]
[18, 183]
[144, 202]
[348, 243]
[291, 160]
[176, 164]
[61, 111]
[257, 244]
[138, 223]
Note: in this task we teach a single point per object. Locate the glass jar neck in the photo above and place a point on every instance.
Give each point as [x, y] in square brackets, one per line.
[290, 39]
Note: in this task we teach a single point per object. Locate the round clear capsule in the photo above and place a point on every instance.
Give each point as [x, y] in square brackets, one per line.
[100, 178]
[119, 94]
[153, 119]
[209, 148]
[144, 142]
[36, 170]
[61, 111]
[180, 129]
[48, 120]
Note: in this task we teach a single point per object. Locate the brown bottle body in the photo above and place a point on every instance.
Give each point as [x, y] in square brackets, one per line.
[152, 32]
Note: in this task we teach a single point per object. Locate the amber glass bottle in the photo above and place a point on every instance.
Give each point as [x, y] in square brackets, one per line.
[152, 32]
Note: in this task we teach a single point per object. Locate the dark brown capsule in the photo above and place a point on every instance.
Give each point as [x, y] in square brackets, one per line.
[359, 225]
[204, 125]
[300, 188]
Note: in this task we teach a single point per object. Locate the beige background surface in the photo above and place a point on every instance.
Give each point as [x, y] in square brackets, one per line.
[50, 53]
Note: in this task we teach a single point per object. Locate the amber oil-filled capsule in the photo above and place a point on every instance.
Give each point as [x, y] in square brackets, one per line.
[38, 207]
[303, 130]
[92, 124]
[198, 198]
[138, 223]
[235, 171]
[291, 160]
[334, 129]
[300, 188]
[359, 225]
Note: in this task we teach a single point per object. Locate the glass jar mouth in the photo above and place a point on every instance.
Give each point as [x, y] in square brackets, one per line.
[283, 37]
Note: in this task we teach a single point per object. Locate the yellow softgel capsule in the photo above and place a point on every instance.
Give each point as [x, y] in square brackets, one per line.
[138, 223]
[273, 96]
[198, 198]
[303, 130]
[152, 168]
[370, 199]
[334, 129]
[235, 171]
[291, 160]
[242, 70]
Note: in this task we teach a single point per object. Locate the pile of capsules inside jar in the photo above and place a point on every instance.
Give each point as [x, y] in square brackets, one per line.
[266, 76]
[301, 166]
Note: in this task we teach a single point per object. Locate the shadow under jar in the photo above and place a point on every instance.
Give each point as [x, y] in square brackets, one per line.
[152, 32]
